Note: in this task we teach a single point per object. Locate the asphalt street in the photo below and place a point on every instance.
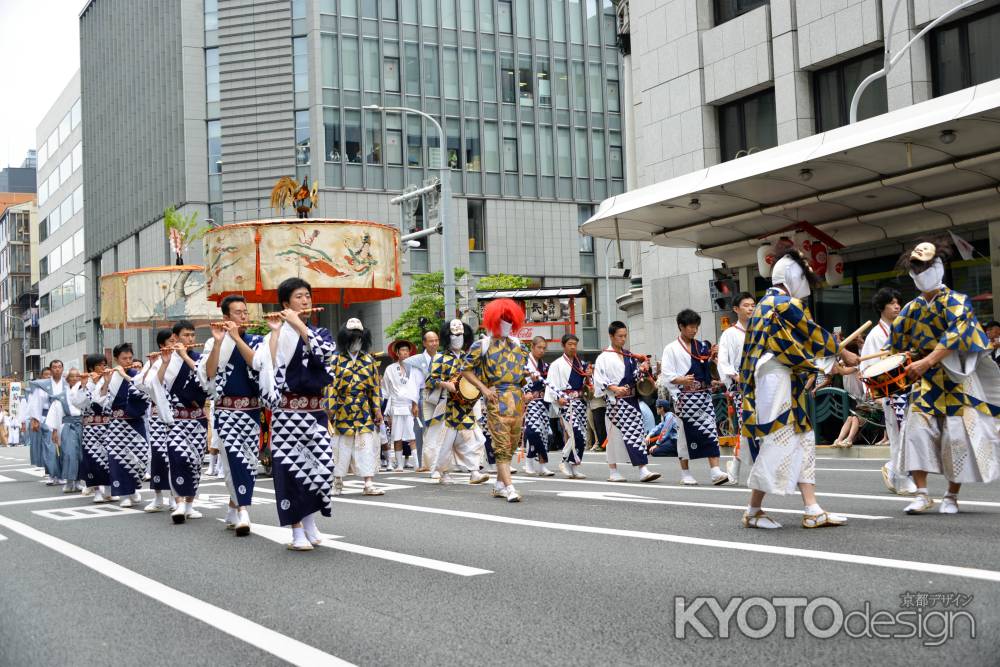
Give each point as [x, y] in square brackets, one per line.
[582, 572]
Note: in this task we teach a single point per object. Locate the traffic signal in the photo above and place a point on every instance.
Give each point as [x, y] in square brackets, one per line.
[722, 292]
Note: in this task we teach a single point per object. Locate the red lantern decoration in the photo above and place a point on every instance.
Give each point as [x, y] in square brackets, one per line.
[834, 270]
[765, 259]
[819, 258]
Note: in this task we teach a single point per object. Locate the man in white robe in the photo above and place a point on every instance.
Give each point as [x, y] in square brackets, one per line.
[886, 303]
[616, 373]
[399, 388]
[730, 359]
[685, 373]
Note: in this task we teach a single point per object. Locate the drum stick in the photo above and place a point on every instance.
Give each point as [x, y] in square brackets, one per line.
[877, 355]
[859, 332]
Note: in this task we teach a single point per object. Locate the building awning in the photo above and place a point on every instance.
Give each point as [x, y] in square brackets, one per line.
[542, 293]
[927, 167]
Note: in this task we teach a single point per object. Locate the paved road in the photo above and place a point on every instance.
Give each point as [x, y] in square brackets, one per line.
[580, 573]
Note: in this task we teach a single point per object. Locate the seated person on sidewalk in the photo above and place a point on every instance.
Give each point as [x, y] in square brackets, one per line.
[662, 438]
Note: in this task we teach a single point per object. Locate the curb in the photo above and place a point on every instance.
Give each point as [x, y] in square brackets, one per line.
[857, 452]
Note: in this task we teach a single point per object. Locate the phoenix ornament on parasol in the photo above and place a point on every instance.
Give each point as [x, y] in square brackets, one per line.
[288, 192]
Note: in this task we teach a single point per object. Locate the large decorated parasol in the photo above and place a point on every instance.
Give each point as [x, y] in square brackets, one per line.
[345, 261]
[143, 298]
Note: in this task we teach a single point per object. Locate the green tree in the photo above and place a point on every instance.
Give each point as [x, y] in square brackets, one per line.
[427, 301]
[501, 281]
[427, 304]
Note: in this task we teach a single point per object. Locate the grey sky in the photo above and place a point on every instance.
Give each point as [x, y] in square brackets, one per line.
[39, 52]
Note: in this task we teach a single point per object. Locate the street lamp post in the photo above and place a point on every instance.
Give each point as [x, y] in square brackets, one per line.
[890, 59]
[444, 207]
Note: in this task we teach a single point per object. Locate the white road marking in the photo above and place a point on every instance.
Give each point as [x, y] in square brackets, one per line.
[91, 512]
[2, 538]
[727, 489]
[6, 479]
[283, 535]
[44, 499]
[34, 472]
[857, 559]
[243, 629]
[629, 498]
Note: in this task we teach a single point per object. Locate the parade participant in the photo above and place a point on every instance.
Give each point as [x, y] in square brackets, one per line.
[568, 377]
[43, 392]
[729, 361]
[453, 430]
[64, 423]
[951, 426]
[159, 422]
[496, 366]
[226, 371]
[616, 373]
[536, 411]
[399, 388]
[295, 362]
[685, 373]
[887, 304]
[36, 449]
[126, 433]
[94, 470]
[188, 430]
[783, 346]
[14, 424]
[420, 366]
[358, 413]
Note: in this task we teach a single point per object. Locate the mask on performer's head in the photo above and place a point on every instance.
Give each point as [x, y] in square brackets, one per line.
[356, 333]
[456, 327]
[787, 272]
[930, 278]
[505, 327]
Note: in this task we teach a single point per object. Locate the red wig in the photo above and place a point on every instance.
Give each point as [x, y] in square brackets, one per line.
[502, 310]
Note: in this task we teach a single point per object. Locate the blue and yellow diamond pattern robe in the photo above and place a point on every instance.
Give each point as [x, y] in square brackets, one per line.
[458, 414]
[783, 347]
[951, 426]
[501, 363]
[782, 329]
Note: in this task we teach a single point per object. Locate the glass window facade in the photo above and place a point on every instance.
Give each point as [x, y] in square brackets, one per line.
[526, 91]
[727, 10]
[834, 86]
[966, 52]
[748, 125]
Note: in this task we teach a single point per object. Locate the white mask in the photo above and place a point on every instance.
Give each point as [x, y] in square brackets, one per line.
[355, 346]
[930, 278]
[456, 342]
[505, 328]
[787, 272]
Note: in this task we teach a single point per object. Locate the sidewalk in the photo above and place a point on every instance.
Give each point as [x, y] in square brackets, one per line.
[828, 451]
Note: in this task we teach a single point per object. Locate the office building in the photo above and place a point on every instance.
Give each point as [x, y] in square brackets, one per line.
[742, 135]
[18, 274]
[224, 97]
[62, 281]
